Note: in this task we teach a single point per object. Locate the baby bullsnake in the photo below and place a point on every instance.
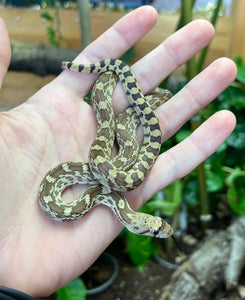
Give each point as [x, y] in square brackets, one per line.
[109, 177]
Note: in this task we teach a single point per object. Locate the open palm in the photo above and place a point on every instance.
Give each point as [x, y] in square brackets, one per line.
[39, 255]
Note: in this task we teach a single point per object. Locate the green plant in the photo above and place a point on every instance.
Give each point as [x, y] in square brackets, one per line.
[164, 203]
[236, 190]
[225, 169]
[53, 30]
[75, 290]
[231, 166]
[193, 67]
[167, 201]
[140, 248]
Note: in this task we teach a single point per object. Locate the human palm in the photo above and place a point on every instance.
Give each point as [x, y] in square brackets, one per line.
[39, 255]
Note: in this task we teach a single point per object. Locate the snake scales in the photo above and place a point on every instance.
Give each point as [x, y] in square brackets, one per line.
[109, 177]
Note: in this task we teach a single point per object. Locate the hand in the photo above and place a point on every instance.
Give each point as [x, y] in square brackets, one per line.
[39, 255]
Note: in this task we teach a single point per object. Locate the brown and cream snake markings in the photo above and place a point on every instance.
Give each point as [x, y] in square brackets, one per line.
[109, 177]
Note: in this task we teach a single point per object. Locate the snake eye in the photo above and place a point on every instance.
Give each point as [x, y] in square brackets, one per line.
[155, 232]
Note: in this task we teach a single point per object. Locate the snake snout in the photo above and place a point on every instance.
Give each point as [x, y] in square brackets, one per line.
[164, 231]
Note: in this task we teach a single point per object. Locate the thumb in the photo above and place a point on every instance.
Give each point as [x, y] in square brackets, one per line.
[5, 50]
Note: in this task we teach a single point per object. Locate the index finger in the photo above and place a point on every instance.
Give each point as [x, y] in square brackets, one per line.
[111, 44]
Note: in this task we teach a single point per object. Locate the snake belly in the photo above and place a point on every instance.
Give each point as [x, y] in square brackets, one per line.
[130, 162]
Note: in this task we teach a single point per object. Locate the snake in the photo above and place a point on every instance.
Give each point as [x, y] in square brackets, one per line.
[107, 177]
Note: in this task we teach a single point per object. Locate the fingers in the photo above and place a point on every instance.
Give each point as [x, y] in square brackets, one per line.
[180, 160]
[200, 91]
[168, 56]
[172, 53]
[5, 51]
[187, 155]
[121, 36]
[151, 69]
[112, 44]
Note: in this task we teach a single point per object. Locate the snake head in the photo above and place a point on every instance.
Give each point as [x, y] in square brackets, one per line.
[141, 223]
[161, 229]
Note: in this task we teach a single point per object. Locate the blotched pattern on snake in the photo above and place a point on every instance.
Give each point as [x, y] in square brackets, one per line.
[109, 177]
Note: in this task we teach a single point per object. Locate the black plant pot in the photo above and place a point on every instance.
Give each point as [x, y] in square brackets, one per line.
[93, 278]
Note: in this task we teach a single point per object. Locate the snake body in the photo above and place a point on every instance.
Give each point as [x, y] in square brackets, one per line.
[109, 177]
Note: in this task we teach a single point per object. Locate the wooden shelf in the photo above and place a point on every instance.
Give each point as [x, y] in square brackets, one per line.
[27, 25]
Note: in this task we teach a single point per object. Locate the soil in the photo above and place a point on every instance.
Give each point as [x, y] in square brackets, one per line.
[132, 283]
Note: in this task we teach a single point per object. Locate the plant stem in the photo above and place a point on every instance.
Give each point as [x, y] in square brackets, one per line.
[182, 22]
[205, 50]
[58, 22]
[205, 216]
[191, 71]
[186, 17]
[186, 11]
[84, 13]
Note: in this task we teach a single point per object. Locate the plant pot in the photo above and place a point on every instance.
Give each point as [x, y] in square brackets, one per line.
[101, 275]
[165, 263]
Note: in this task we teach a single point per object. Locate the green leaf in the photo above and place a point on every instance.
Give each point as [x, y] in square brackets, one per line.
[128, 55]
[222, 148]
[238, 60]
[75, 290]
[140, 248]
[166, 208]
[236, 195]
[215, 175]
[233, 96]
[190, 192]
[52, 37]
[240, 69]
[234, 173]
[47, 16]
[237, 138]
[168, 200]
[182, 134]
[215, 182]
